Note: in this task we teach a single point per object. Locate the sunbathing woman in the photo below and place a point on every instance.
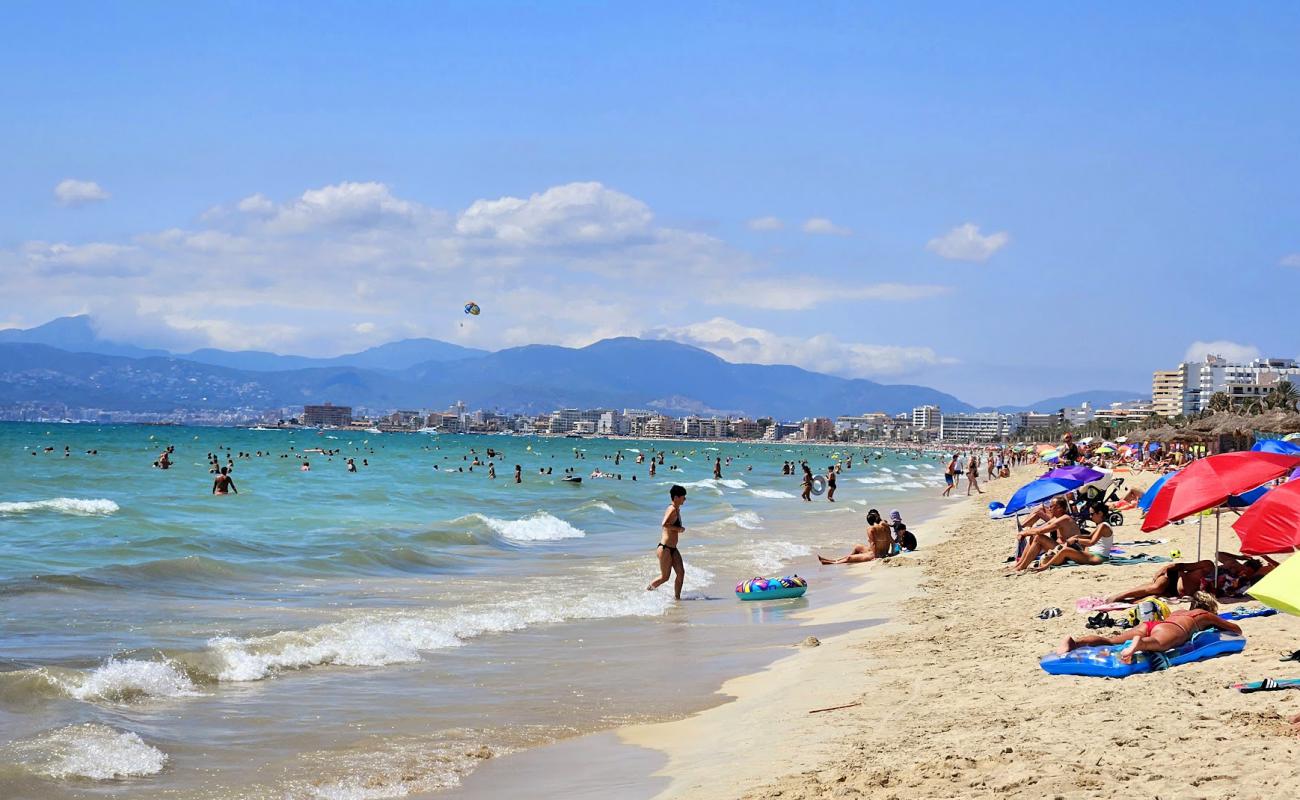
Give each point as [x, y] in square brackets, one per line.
[1061, 526]
[1093, 548]
[879, 541]
[1236, 575]
[1159, 635]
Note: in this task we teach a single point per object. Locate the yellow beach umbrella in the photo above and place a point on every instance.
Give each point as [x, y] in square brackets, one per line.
[1280, 588]
[1104, 449]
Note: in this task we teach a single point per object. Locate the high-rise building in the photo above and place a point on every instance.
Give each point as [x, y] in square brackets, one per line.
[327, 416]
[926, 418]
[978, 427]
[1167, 392]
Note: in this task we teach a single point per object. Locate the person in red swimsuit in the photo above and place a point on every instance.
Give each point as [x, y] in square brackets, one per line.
[1160, 635]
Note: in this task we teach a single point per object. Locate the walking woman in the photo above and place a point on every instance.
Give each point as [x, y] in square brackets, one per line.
[973, 473]
[670, 558]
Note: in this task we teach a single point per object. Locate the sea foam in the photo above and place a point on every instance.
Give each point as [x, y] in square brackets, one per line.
[746, 519]
[770, 555]
[62, 505]
[774, 494]
[538, 527]
[122, 681]
[90, 751]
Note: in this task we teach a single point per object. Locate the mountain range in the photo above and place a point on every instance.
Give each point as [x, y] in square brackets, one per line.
[66, 361]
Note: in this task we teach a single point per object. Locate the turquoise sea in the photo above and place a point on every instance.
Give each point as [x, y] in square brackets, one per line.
[376, 634]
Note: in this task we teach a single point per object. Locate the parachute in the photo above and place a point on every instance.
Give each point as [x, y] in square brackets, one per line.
[472, 308]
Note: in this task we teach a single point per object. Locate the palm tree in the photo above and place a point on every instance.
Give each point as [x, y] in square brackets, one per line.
[1284, 395]
[1220, 401]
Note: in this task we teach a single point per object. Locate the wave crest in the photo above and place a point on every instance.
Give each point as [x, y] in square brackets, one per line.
[63, 505]
[90, 751]
[538, 527]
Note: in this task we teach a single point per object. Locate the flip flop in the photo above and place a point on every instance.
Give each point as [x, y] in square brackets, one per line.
[1049, 613]
[1292, 657]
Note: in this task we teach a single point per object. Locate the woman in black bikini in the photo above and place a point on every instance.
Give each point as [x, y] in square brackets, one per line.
[670, 558]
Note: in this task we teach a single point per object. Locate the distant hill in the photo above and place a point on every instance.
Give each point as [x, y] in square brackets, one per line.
[615, 373]
[1099, 398]
[392, 356]
[78, 335]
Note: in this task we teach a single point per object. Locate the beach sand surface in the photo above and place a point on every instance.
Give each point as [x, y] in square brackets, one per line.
[951, 701]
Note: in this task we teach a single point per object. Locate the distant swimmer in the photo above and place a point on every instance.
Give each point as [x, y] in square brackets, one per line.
[223, 483]
[492, 470]
[352, 466]
[717, 468]
[519, 474]
[670, 558]
[306, 466]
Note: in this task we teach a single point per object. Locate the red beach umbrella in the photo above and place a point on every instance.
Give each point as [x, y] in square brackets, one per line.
[1272, 524]
[1207, 483]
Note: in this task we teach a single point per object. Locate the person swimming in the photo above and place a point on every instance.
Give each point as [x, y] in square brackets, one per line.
[670, 558]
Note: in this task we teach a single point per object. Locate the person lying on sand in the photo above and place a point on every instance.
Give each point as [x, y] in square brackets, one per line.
[879, 541]
[1156, 636]
[1092, 549]
[1183, 578]
[1061, 526]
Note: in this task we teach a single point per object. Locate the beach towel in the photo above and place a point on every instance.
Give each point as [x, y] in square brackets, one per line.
[1267, 685]
[1121, 561]
[1103, 661]
[1247, 613]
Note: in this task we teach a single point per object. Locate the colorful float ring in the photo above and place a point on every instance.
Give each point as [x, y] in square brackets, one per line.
[818, 485]
[771, 588]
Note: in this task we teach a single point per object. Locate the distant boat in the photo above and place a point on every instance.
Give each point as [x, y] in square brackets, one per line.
[373, 430]
[572, 479]
[433, 431]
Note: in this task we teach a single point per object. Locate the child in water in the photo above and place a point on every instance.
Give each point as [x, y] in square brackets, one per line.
[670, 558]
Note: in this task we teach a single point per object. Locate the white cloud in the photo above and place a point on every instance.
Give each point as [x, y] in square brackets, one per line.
[1290, 260]
[72, 192]
[1233, 351]
[966, 243]
[807, 293]
[575, 213]
[765, 224]
[568, 265]
[256, 204]
[823, 227]
[732, 341]
[347, 204]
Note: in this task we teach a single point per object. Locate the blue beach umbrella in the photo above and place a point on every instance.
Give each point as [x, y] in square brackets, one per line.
[1144, 502]
[1276, 446]
[1035, 492]
[1247, 498]
[1083, 474]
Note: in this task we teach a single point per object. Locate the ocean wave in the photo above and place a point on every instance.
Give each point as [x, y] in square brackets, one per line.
[596, 504]
[115, 681]
[746, 519]
[395, 768]
[770, 556]
[875, 480]
[90, 750]
[715, 484]
[538, 527]
[771, 493]
[63, 505]
[912, 485]
[377, 640]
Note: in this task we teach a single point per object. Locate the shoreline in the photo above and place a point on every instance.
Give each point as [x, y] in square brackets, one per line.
[954, 704]
[667, 758]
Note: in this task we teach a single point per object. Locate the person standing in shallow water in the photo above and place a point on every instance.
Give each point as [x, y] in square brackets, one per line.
[717, 467]
[223, 483]
[670, 558]
[830, 484]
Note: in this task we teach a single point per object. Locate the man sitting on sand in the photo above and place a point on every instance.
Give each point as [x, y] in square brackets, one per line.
[1157, 636]
[879, 541]
[1061, 526]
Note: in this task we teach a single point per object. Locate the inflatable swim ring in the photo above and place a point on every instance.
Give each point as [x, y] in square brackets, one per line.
[771, 588]
[818, 485]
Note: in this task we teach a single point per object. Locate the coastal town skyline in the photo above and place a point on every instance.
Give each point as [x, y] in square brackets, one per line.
[757, 213]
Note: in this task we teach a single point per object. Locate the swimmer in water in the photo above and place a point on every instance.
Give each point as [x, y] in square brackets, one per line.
[670, 558]
[223, 483]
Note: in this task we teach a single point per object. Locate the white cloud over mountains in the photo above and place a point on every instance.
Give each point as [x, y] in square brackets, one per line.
[821, 353]
[966, 243]
[355, 263]
[72, 192]
[824, 227]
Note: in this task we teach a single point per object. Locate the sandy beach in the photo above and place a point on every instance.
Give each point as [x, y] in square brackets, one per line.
[950, 700]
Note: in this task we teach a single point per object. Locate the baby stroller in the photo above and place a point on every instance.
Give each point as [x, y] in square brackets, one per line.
[1091, 497]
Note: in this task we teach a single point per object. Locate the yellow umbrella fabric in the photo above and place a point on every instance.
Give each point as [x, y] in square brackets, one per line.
[1280, 588]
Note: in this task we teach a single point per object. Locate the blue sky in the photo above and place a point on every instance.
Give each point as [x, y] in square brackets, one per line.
[1005, 203]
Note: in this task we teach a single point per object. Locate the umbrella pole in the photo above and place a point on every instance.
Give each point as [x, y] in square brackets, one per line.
[1216, 551]
[1199, 520]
